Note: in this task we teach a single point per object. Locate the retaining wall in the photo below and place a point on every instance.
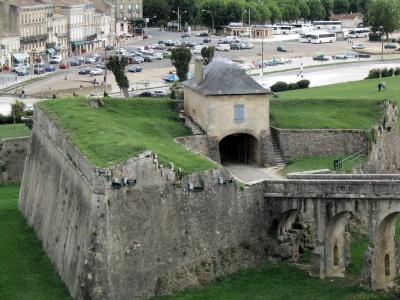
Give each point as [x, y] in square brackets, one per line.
[12, 159]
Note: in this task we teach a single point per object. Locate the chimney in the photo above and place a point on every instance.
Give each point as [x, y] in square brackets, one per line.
[199, 69]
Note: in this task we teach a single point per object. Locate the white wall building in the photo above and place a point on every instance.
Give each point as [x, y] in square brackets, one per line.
[9, 45]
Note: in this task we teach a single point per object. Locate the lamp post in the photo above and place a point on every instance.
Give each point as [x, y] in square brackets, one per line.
[382, 33]
[243, 13]
[179, 14]
[212, 18]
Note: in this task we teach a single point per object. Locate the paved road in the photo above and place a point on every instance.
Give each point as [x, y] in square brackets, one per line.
[325, 75]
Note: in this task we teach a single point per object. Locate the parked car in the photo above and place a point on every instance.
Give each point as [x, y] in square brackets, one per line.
[64, 65]
[120, 51]
[22, 71]
[203, 34]
[223, 47]
[358, 46]
[247, 45]
[148, 51]
[340, 56]
[126, 35]
[135, 69]
[38, 70]
[391, 46]
[185, 35]
[364, 55]
[75, 63]
[89, 60]
[17, 66]
[84, 71]
[158, 55]
[49, 69]
[197, 49]
[55, 60]
[109, 47]
[235, 46]
[136, 60]
[96, 72]
[161, 47]
[281, 49]
[322, 57]
[170, 43]
[39, 65]
[101, 66]
[146, 94]
[145, 36]
[207, 40]
[148, 58]
[159, 94]
[167, 54]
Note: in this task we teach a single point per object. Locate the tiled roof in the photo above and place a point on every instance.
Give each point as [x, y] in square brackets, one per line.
[345, 16]
[223, 77]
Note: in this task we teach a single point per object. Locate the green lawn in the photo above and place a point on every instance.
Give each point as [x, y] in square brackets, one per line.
[346, 105]
[13, 130]
[25, 271]
[123, 128]
[319, 162]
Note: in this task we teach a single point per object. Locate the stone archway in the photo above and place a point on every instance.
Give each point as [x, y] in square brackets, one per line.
[239, 148]
[337, 245]
[384, 268]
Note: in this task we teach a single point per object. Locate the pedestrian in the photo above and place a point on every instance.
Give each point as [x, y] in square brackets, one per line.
[379, 86]
[23, 94]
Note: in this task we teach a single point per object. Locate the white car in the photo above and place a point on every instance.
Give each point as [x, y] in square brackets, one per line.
[55, 60]
[358, 46]
[197, 49]
[96, 72]
[148, 51]
[223, 47]
[158, 55]
[120, 51]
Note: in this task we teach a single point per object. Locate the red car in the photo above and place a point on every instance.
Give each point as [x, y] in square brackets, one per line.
[64, 65]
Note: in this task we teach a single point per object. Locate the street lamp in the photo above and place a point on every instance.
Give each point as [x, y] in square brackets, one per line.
[147, 20]
[212, 18]
[179, 14]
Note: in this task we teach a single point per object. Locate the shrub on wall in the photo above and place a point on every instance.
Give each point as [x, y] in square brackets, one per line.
[280, 86]
[385, 72]
[303, 84]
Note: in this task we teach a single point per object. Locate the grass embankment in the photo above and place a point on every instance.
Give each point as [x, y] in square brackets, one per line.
[25, 271]
[345, 105]
[320, 162]
[124, 128]
[9, 131]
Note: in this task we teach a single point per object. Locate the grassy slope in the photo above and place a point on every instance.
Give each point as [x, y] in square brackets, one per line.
[123, 128]
[12, 131]
[25, 271]
[319, 162]
[344, 105]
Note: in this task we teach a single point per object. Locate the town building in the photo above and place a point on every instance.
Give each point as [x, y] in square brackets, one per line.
[103, 27]
[255, 31]
[352, 20]
[32, 20]
[231, 108]
[9, 46]
[59, 43]
[127, 10]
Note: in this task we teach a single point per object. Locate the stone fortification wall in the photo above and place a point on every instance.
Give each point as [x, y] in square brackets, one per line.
[163, 233]
[384, 154]
[12, 159]
[58, 202]
[318, 142]
[195, 143]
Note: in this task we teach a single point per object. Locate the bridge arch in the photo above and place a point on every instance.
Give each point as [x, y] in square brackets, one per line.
[240, 148]
[337, 244]
[385, 267]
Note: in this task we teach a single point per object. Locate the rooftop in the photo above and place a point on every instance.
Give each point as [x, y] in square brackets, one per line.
[351, 16]
[224, 77]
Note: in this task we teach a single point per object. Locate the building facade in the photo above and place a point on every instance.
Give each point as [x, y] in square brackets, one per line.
[59, 43]
[9, 45]
[128, 9]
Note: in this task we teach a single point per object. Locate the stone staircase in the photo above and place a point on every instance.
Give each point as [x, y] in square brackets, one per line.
[278, 156]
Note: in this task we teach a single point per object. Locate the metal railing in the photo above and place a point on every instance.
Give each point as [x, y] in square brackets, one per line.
[338, 163]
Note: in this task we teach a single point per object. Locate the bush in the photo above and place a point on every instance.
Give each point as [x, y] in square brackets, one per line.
[396, 71]
[374, 73]
[303, 84]
[292, 86]
[385, 72]
[280, 86]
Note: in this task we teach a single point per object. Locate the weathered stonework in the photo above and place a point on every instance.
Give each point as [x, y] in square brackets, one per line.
[320, 142]
[12, 159]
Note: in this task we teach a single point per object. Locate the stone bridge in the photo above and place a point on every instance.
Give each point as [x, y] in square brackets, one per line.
[327, 203]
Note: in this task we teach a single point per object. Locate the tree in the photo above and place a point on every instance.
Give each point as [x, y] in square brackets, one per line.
[317, 10]
[208, 54]
[180, 58]
[17, 110]
[341, 6]
[276, 12]
[117, 65]
[304, 9]
[385, 13]
[159, 8]
[290, 13]
[328, 6]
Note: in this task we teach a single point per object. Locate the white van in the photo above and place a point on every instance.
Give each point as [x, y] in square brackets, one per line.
[223, 47]
[197, 49]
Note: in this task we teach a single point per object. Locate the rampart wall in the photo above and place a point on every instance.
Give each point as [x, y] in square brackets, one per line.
[12, 159]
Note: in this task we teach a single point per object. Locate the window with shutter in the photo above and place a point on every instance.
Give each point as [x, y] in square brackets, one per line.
[239, 112]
